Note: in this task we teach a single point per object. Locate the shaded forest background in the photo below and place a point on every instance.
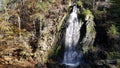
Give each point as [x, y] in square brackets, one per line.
[29, 31]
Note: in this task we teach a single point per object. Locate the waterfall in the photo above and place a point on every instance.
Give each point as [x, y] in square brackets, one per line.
[72, 55]
[80, 34]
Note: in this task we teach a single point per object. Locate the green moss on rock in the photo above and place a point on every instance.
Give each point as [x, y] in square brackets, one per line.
[44, 6]
[79, 3]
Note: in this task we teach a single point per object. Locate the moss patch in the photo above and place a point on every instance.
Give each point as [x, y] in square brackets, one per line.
[44, 6]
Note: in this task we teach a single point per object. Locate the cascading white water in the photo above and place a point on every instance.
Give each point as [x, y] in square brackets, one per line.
[72, 56]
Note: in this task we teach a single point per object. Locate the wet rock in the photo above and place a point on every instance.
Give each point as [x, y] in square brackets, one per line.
[113, 62]
[39, 65]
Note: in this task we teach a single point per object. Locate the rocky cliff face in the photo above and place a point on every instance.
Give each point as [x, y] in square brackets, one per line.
[29, 30]
[32, 33]
[49, 30]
